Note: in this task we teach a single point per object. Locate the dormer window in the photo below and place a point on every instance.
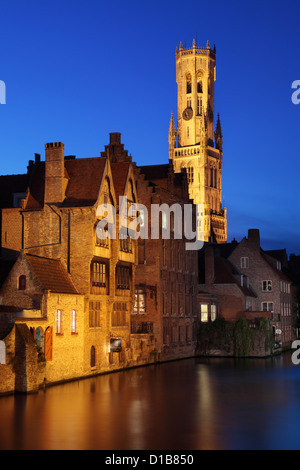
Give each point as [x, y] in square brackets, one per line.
[22, 282]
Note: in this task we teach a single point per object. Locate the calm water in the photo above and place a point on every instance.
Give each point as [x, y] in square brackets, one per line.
[188, 405]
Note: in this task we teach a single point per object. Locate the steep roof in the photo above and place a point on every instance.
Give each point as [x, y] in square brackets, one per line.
[225, 273]
[51, 275]
[120, 173]
[84, 177]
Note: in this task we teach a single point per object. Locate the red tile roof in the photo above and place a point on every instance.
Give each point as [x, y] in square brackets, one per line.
[84, 175]
[51, 275]
[120, 173]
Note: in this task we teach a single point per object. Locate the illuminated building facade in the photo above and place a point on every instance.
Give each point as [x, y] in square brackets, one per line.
[195, 144]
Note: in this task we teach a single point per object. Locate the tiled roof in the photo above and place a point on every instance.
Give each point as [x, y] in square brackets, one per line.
[119, 173]
[85, 176]
[51, 275]
[225, 274]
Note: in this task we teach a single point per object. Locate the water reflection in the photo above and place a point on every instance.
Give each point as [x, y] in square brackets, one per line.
[189, 404]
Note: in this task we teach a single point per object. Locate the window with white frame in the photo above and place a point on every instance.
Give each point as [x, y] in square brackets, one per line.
[267, 286]
[267, 306]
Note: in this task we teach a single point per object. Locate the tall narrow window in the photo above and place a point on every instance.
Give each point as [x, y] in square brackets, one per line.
[139, 302]
[190, 174]
[94, 314]
[98, 274]
[199, 106]
[22, 282]
[204, 312]
[58, 322]
[93, 356]
[123, 277]
[73, 321]
[189, 83]
[199, 83]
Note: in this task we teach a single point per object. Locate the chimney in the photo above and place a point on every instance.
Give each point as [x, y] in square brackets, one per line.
[54, 173]
[209, 265]
[254, 238]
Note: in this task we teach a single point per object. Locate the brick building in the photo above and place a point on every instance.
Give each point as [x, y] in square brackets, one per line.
[71, 294]
[248, 282]
[166, 273]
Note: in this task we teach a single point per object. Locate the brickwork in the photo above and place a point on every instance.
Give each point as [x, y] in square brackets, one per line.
[261, 268]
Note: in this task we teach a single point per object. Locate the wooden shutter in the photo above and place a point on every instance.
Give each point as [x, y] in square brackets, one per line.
[48, 343]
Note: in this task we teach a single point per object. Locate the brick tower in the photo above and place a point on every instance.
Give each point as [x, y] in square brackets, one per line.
[196, 145]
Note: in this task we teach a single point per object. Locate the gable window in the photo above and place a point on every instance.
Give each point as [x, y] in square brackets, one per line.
[102, 238]
[73, 321]
[267, 307]
[266, 286]
[22, 282]
[244, 262]
[125, 241]
[58, 322]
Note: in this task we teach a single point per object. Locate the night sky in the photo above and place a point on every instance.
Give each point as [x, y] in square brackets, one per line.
[77, 70]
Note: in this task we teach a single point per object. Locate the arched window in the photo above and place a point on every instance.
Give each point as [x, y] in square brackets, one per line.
[189, 83]
[22, 282]
[199, 83]
[93, 356]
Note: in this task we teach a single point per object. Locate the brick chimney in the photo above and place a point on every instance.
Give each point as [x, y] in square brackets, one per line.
[54, 173]
[209, 265]
[254, 238]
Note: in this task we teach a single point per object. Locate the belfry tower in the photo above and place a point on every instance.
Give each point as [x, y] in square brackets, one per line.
[196, 145]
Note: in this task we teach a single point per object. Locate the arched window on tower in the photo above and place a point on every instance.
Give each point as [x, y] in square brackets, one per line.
[189, 83]
[199, 83]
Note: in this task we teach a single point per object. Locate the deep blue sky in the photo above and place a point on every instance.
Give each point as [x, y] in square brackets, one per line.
[77, 70]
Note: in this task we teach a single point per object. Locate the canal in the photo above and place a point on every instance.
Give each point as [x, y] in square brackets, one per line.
[190, 404]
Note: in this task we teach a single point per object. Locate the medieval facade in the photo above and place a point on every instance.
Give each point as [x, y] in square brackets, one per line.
[195, 144]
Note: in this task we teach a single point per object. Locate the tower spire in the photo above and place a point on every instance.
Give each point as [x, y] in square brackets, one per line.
[172, 137]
